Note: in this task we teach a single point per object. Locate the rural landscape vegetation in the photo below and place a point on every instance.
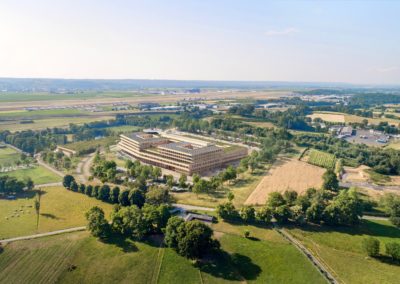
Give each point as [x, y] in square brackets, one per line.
[291, 178]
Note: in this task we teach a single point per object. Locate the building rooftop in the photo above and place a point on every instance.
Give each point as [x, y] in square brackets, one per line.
[144, 137]
[189, 148]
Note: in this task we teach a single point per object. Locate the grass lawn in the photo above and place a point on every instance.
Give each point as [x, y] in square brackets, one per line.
[40, 260]
[60, 209]
[117, 261]
[340, 249]
[265, 258]
[38, 174]
[8, 156]
[124, 128]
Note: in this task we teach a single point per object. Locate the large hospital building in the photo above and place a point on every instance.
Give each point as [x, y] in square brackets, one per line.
[179, 153]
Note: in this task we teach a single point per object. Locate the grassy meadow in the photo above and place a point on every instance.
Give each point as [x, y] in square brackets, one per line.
[8, 156]
[60, 209]
[340, 250]
[38, 174]
[80, 258]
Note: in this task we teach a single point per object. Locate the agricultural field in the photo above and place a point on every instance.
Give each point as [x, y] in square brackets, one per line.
[286, 174]
[38, 174]
[340, 249]
[80, 258]
[60, 209]
[321, 159]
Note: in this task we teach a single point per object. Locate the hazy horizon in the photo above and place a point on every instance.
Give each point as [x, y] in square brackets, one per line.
[259, 41]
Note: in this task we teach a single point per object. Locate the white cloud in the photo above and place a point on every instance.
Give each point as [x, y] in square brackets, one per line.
[283, 32]
[385, 69]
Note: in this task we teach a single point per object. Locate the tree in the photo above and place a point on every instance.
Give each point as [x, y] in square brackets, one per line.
[29, 184]
[88, 190]
[182, 180]
[156, 216]
[74, 186]
[345, 209]
[123, 198]
[190, 239]
[275, 199]
[282, 214]
[264, 215]
[227, 211]
[104, 193]
[394, 211]
[393, 249]
[371, 246]
[202, 186]
[290, 196]
[315, 212]
[170, 181]
[81, 188]
[330, 181]
[114, 194]
[156, 173]
[247, 213]
[97, 224]
[130, 222]
[136, 197]
[157, 195]
[67, 180]
[171, 231]
[195, 178]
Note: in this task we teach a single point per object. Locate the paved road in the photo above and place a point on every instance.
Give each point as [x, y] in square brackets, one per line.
[43, 235]
[48, 184]
[192, 207]
[369, 186]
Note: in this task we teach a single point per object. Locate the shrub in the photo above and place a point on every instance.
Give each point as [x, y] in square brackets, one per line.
[371, 246]
[393, 249]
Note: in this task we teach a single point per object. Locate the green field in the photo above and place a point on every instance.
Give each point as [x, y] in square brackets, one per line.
[340, 249]
[321, 159]
[38, 174]
[50, 122]
[60, 209]
[8, 156]
[267, 258]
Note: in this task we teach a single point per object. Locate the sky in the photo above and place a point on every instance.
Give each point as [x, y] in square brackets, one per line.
[301, 41]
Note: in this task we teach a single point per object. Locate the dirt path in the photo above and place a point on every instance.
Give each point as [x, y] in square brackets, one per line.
[75, 229]
[83, 168]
